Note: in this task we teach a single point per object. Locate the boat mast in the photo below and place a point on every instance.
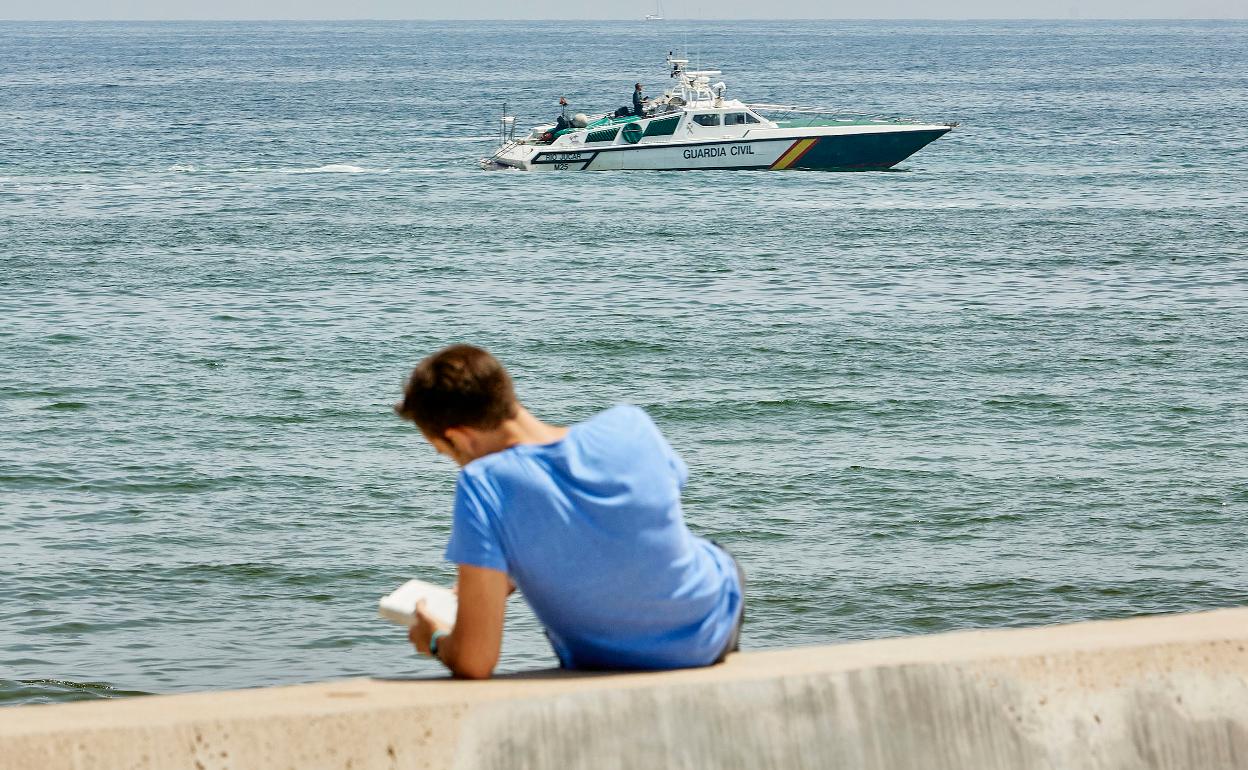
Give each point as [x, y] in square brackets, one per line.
[693, 85]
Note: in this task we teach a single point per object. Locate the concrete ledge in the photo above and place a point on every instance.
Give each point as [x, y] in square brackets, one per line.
[1158, 692]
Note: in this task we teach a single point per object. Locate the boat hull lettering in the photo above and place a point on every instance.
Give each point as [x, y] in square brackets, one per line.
[718, 152]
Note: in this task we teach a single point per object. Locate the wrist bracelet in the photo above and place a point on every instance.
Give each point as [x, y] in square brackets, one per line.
[433, 642]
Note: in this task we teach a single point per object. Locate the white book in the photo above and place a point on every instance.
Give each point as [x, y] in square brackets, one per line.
[399, 606]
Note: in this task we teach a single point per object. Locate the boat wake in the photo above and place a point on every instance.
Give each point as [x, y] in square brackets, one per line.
[489, 164]
[453, 139]
[334, 168]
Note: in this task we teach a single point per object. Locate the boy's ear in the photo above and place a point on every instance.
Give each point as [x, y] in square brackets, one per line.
[459, 438]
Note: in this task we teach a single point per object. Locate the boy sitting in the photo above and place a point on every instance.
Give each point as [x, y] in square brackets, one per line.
[584, 520]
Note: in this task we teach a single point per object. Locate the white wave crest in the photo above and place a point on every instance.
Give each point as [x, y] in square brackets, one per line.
[334, 168]
[185, 168]
[456, 139]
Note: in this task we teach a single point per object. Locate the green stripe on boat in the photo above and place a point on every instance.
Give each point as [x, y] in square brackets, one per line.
[664, 127]
[605, 135]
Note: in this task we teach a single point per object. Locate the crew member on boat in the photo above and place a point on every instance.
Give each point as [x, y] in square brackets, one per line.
[638, 101]
[563, 121]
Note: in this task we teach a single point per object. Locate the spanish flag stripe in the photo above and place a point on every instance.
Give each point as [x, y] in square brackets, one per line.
[791, 156]
[783, 160]
[805, 150]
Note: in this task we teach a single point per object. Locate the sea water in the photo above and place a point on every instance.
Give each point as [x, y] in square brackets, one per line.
[1003, 385]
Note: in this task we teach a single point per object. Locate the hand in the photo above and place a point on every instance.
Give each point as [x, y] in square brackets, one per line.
[422, 632]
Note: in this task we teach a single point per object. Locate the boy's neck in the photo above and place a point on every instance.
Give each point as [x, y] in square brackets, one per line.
[463, 445]
[524, 428]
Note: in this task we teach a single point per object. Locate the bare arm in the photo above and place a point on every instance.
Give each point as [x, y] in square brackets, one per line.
[471, 650]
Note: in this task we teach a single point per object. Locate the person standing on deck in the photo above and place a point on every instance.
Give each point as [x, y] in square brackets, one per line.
[585, 520]
[563, 121]
[638, 101]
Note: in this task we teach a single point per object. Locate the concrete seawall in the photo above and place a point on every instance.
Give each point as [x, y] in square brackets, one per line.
[1159, 692]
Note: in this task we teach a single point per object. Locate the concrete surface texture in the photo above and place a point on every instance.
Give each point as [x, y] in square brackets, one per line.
[1157, 692]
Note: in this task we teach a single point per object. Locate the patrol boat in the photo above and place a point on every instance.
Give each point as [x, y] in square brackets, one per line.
[693, 126]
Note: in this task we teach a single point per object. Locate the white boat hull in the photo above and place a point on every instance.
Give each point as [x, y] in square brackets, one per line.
[824, 148]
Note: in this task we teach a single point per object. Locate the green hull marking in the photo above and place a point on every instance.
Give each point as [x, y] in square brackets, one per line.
[604, 135]
[865, 152]
[664, 127]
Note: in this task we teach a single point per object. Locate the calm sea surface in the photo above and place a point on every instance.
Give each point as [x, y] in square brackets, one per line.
[1004, 386]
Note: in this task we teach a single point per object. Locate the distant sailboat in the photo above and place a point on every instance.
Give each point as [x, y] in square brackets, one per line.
[658, 12]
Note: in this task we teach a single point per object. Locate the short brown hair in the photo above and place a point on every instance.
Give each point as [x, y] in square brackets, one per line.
[459, 386]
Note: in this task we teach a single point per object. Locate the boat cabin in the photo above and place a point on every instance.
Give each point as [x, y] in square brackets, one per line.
[728, 121]
[693, 111]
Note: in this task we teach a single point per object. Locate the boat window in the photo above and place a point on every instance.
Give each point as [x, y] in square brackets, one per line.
[734, 119]
[751, 119]
[706, 119]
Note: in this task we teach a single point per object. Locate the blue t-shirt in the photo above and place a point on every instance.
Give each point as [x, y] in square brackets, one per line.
[590, 530]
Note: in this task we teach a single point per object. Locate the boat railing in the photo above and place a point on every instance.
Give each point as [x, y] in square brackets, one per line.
[507, 145]
[815, 113]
